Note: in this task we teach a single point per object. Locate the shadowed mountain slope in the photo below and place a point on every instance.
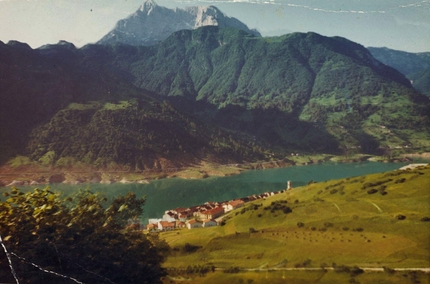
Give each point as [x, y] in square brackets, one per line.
[100, 105]
[415, 66]
[62, 111]
[333, 84]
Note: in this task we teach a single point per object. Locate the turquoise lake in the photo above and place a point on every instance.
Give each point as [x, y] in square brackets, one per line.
[167, 194]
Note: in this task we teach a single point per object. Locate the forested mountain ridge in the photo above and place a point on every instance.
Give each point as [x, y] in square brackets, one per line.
[333, 85]
[232, 96]
[61, 111]
[415, 66]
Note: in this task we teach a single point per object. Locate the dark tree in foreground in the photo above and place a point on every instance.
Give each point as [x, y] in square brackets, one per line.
[81, 237]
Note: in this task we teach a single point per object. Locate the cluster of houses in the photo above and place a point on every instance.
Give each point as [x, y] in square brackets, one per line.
[201, 216]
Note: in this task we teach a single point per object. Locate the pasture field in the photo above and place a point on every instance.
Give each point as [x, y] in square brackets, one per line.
[299, 277]
[374, 221]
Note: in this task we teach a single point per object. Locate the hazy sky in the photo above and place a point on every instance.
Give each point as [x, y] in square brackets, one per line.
[397, 24]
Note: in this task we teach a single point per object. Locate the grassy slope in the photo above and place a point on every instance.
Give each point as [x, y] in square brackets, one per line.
[384, 241]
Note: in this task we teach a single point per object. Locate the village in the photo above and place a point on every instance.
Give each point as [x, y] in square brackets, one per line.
[206, 215]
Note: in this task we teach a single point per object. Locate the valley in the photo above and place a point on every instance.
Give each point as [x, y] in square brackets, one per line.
[128, 108]
[295, 158]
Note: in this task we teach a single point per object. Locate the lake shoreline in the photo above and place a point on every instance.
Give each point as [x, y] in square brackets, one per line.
[34, 176]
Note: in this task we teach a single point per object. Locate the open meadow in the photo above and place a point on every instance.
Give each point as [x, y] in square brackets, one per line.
[377, 223]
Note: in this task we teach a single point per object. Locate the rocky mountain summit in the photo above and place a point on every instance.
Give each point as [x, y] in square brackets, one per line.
[151, 23]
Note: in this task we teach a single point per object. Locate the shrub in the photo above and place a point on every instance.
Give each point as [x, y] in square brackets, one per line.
[358, 229]
[254, 206]
[388, 270]
[355, 270]
[341, 268]
[300, 224]
[307, 262]
[232, 269]
[287, 210]
[400, 217]
[425, 219]
[189, 248]
[200, 269]
[372, 191]
[373, 184]
[333, 191]
[252, 230]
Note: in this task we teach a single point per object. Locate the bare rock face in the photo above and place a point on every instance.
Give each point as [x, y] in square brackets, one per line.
[152, 23]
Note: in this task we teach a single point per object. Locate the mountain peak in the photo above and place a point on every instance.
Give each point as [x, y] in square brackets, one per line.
[19, 44]
[148, 5]
[151, 23]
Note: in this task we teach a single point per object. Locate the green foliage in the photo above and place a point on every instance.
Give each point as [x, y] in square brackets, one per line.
[233, 269]
[199, 269]
[78, 237]
[189, 248]
[304, 77]
[135, 134]
[304, 92]
[415, 66]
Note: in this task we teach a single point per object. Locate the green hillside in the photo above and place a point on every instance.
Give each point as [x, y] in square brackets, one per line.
[421, 81]
[374, 221]
[36, 84]
[62, 112]
[298, 91]
[230, 96]
[415, 66]
[133, 135]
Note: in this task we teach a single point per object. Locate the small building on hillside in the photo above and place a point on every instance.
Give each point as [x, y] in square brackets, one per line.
[209, 223]
[183, 211]
[182, 217]
[180, 224]
[212, 213]
[233, 205]
[191, 224]
[166, 226]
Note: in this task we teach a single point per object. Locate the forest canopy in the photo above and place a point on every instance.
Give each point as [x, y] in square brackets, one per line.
[83, 238]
